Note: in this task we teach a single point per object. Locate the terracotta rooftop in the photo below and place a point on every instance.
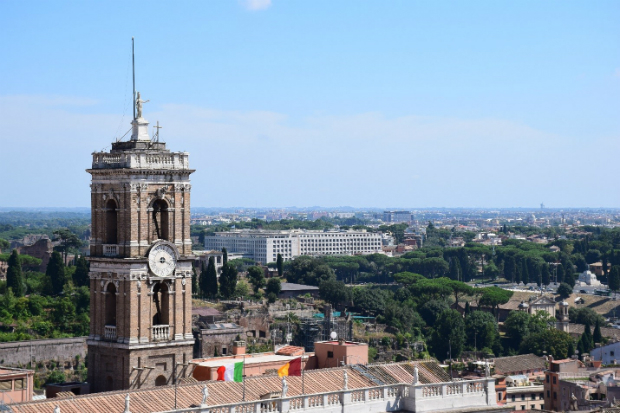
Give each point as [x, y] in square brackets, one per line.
[513, 364]
[290, 351]
[162, 399]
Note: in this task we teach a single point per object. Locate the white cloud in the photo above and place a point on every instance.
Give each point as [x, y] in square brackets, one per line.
[256, 4]
[261, 158]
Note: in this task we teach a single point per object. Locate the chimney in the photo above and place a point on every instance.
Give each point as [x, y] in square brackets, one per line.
[238, 348]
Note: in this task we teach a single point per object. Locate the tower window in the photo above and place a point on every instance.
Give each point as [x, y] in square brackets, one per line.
[110, 305]
[160, 219]
[111, 221]
[161, 301]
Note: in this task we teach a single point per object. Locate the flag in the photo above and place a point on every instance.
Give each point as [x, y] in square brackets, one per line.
[292, 368]
[231, 372]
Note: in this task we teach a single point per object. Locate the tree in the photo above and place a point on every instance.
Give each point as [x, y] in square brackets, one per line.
[525, 274]
[481, 330]
[273, 286]
[80, 275]
[460, 289]
[14, 277]
[334, 292]
[561, 274]
[242, 289]
[553, 341]
[228, 281]
[588, 340]
[597, 337]
[510, 269]
[224, 256]
[564, 290]
[4, 244]
[517, 326]
[279, 264]
[68, 240]
[455, 269]
[256, 277]
[432, 309]
[208, 279]
[449, 335]
[571, 349]
[56, 273]
[546, 276]
[614, 278]
[435, 267]
[584, 315]
[494, 297]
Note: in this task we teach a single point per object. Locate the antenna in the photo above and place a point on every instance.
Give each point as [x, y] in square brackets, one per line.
[133, 69]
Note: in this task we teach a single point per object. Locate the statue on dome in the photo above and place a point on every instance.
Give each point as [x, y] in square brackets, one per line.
[139, 103]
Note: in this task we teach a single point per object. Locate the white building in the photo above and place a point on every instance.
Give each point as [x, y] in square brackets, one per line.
[609, 354]
[589, 278]
[264, 246]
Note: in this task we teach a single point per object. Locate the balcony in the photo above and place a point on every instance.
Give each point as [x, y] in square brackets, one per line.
[110, 250]
[109, 333]
[160, 332]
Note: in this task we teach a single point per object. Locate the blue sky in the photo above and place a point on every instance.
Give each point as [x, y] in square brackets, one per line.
[300, 103]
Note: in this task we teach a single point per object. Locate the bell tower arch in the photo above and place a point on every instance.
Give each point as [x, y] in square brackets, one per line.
[140, 273]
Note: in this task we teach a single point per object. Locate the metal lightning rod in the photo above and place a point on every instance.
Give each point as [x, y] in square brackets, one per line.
[133, 69]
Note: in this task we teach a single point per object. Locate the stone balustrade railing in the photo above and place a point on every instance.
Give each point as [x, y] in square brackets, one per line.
[174, 160]
[160, 332]
[109, 332]
[397, 397]
[110, 250]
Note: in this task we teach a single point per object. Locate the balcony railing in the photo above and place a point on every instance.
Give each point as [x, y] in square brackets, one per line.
[109, 333]
[161, 332]
[110, 250]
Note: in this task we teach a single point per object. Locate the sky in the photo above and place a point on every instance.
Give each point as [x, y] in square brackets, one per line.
[408, 104]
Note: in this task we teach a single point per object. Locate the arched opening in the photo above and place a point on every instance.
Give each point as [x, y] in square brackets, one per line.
[110, 305]
[109, 383]
[111, 221]
[160, 219]
[161, 299]
[160, 381]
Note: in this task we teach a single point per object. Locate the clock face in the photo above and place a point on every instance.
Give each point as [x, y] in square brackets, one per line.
[162, 260]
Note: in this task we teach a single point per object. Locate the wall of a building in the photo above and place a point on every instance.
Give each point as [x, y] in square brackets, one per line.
[60, 350]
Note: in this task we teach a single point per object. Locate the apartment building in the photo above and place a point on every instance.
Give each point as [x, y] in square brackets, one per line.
[264, 246]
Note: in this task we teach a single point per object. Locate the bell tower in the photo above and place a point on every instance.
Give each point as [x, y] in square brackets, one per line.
[140, 264]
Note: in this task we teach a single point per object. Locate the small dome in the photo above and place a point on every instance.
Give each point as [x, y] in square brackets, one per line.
[564, 304]
[524, 305]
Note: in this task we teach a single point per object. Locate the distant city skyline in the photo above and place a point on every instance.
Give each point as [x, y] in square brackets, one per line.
[434, 104]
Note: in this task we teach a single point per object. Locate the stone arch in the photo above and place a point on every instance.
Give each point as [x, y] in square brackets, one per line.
[111, 221]
[110, 304]
[161, 301]
[161, 380]
[160, 218]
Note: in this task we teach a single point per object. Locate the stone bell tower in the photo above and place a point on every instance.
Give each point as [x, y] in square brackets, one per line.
[140, 264]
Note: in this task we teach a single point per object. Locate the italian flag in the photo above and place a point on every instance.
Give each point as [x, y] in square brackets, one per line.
[231, 372]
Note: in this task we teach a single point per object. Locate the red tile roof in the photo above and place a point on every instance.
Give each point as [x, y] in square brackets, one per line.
[290, 351]
[190, 395]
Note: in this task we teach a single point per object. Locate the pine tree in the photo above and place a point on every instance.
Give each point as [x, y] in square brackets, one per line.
[211, 281]
[588, 342]
[279, 265]
[14, 277]
[455, 269]
[546, 276]
[225, 256]
[525, 274]
[56, 272]
[80, 275]
[228, 280]
[571, 348]
[614, 278]
[597, 337]
[203, 281]
[560, 273]
[467, 308]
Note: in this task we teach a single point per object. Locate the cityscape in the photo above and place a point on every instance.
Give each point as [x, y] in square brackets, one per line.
[337, 212]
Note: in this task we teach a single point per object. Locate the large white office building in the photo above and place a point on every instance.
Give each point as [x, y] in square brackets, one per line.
[264, 246]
